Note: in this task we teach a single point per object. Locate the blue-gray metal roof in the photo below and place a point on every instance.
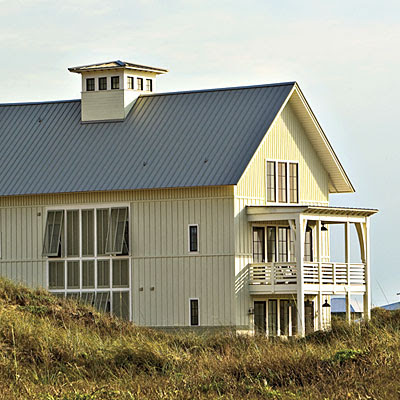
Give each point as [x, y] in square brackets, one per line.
[392, 306]
[182, 139]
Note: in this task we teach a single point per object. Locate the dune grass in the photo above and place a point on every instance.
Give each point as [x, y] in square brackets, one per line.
[56, 349]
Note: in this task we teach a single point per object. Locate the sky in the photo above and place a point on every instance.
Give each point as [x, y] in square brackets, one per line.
[344, 55]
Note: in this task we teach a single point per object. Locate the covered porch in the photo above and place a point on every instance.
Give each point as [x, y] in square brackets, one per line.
[294, 258]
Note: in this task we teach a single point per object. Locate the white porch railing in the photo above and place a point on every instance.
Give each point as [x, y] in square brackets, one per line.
[314, 273]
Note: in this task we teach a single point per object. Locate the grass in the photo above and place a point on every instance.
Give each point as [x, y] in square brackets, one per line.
[57, 349]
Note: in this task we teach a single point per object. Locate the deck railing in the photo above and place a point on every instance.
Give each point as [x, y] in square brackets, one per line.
[314, 273]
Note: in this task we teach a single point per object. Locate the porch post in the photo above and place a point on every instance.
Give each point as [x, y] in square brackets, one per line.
[318, 247]
[367, 295]
[300, 233]
[347, 260]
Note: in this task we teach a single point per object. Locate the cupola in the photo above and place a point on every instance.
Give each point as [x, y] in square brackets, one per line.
[109, 89]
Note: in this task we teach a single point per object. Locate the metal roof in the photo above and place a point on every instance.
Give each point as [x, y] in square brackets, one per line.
[186, 139]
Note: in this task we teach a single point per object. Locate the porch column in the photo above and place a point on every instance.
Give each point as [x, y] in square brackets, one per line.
[318, 260]
[367, 295]
[300, 234]
[347, 260]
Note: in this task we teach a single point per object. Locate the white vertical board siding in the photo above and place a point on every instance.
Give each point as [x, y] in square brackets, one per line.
[21, 245]
[165, 275]
[287, 140]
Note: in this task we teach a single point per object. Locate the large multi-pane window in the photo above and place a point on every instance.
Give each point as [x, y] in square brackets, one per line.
[87, 253]
[282, 182]
[280, 246]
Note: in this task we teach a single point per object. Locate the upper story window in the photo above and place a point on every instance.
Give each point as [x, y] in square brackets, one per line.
[149, 85]
[115, 82]
[131, 82]
[103, 83]
[140, 83]
[282, 182]
[193, 238]
[90, 84]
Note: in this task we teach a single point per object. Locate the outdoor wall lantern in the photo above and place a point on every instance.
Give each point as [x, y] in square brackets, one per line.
[326, 304]
[324, 228]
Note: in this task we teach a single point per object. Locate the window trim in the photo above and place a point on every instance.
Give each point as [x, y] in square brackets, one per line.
[198, 239]
[276, 202]
[190, 311]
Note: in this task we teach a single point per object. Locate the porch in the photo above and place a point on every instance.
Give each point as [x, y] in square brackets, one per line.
[291, 255]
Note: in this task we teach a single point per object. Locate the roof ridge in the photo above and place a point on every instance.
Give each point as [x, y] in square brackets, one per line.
[33, 103]
[220, 89]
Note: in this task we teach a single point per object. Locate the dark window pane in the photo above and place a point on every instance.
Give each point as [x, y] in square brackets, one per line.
[193, 238]
[103, 273]
[90, 84]
[73, 275]
[73, 233]
[283, 244]
[271, 244]
[194, 312]
[87, 232]
[282, 195]
[271, 179]
[120, 306]
[140, 83]
[88, 274]
[308, 250]
[120, 273]
[102, 229]
[293, 180]
[52, 246]
[56, 275]
[115, 82]
[102, 83]
[258, 245]
[272, 317]
[131, 82]
[149, 85]
[118, 232]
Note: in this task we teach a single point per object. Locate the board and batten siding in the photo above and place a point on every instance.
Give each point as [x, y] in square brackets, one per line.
[161, 263]
[285, 140]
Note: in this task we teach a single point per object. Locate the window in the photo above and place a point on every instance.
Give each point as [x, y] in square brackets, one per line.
[283, 253]
[293, 182]
[258, 245]
[282, 182]
[140, 83]
[115, 82]
[308, 250]
[131, 82]
[149, 85]
[194, 312]
[84, 271]
[271, 244]
[90, 84]
[103, 83]
[117, 235]
[52, 246]
[272, 317]
[282, 194]
[193, 238]
[271, 177]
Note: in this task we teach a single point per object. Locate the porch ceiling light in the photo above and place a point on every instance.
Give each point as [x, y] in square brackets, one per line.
[326, 304]
[324, 228]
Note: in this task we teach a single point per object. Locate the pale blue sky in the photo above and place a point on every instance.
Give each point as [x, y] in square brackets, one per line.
[345, 56]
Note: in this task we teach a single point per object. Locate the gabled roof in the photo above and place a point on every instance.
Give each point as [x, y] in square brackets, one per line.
[118, 64]
[392, 306]
[182, 139]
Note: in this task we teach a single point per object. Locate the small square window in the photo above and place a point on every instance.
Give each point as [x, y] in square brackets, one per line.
[103, 83]
[90, 84]
[149, 85]
[115, 82]
[140, 83]
[131, 82]
[194, 312]
[193, 238]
